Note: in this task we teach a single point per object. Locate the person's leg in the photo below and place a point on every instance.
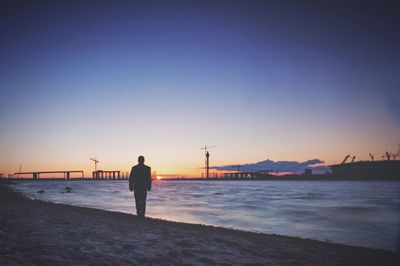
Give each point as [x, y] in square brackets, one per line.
[137, 203]
[140, 197]
[144, 208]
[144, 203]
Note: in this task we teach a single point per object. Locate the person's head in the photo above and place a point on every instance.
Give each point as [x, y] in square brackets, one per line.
[141, 159]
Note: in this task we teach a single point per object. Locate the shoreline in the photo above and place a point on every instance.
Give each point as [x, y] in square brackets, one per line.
[274, 178]
[38, 232]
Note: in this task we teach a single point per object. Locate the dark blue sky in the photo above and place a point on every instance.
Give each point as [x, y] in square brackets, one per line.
[304, 79]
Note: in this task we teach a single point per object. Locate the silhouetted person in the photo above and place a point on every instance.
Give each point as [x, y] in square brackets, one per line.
[140, 183]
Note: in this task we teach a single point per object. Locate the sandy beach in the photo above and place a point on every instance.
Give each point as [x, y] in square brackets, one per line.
[40, 233]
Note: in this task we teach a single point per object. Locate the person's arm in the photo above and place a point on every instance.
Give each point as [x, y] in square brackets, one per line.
[149, 180]
[131, 180]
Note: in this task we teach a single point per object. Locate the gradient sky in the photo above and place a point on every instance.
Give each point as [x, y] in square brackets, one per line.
[284, 80]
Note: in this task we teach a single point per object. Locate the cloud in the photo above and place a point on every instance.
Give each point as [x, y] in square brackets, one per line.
[279, 166]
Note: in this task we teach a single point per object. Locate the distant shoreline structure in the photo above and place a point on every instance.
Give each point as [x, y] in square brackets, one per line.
[357, 171]
[294, 177]
[388, 169]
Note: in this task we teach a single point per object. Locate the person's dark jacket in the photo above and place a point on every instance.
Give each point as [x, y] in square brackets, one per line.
[140, 178]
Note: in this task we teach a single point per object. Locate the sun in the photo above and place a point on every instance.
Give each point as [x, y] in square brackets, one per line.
[159, 177]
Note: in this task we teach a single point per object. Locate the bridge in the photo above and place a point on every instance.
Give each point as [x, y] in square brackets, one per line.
[36, 175]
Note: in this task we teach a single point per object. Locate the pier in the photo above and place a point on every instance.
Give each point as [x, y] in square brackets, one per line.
[36, 175]
[101, 174]
[240, 175]
[6, 176]
[247, 175]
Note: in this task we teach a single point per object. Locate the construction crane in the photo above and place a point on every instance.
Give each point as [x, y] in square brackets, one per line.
[207, 165]
[345, 159]
[387, 155]
[19, 170]
[95, 163]
[394, 156]
[352, 159]
[372, 156]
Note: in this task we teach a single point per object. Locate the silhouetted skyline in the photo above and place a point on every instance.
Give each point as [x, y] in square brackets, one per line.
[279, 80]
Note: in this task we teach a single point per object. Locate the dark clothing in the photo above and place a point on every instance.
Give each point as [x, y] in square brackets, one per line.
[140, 202]
[140, 183]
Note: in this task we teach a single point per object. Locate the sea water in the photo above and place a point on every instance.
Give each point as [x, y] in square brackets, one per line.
[362, 213]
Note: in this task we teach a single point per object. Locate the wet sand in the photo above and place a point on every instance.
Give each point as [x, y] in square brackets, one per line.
[40, 233]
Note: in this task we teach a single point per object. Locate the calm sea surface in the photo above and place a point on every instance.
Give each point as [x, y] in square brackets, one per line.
[357, 213]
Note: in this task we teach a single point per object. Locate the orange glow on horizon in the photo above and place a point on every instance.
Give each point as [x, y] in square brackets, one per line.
[180, 165]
